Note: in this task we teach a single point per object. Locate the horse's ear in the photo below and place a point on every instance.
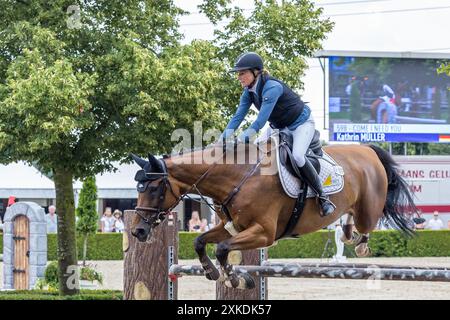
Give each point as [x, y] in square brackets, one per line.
[141, 162]
[155, 164]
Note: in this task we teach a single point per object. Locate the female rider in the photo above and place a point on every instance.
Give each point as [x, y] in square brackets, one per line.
[284, 110]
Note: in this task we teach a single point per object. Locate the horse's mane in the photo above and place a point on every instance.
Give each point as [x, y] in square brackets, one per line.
[192, 150]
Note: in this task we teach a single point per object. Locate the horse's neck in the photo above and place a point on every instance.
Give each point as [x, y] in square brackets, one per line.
[186, 170]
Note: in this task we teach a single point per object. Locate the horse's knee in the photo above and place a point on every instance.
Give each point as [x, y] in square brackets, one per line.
[222, 250]
[199, 245]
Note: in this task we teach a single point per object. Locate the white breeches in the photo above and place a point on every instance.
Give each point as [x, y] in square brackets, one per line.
[302, 135]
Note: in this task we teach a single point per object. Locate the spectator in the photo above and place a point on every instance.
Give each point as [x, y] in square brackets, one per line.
[107, 221]
[435, 223]
[197, 225]
[119, 226]
[52, 220]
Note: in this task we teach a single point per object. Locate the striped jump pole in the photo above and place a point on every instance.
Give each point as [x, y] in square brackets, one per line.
[297, 270]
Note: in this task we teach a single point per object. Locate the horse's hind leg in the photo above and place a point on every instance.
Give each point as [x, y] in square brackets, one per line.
[366, 222]
[362, 246]
[361, 240]
[251, 238]
[349, 236]
[215, 235]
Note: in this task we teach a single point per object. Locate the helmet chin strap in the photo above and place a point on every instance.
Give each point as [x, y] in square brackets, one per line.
[255, 73]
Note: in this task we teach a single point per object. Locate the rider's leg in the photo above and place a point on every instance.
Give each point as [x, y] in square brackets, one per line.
[303, 135]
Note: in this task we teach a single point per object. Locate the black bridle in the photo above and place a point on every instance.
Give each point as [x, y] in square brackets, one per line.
[145, 178]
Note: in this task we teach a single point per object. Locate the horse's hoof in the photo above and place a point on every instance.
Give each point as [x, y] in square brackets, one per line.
[362, 250]
[246, 281]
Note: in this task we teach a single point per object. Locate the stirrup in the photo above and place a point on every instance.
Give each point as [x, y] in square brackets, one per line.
[325, 200]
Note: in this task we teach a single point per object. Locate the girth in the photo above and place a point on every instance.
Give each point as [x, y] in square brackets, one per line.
[287, 160]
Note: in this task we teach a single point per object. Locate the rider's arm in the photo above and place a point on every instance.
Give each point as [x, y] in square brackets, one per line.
[241, 112]
[271, 92]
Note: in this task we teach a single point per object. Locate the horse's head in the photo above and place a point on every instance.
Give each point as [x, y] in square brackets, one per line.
[153, 203]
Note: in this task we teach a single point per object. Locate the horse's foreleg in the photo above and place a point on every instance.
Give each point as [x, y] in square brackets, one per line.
[251, 238]
[215, 235]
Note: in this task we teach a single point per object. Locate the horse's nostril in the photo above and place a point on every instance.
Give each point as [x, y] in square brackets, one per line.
[140, 233]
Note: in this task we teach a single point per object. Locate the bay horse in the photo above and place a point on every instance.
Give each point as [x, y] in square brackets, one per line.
[257, 205]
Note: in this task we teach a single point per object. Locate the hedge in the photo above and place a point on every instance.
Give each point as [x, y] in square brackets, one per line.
[47, 295]
[386, 243]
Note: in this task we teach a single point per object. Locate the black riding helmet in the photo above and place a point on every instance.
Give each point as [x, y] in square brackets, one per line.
[248, 60]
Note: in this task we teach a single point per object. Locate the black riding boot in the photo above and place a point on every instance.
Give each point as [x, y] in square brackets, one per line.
[312, 179]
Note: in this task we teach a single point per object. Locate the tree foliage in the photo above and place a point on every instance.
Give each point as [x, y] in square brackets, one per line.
[84, 83]
[284, 34]
[86, 212]
[87, 208]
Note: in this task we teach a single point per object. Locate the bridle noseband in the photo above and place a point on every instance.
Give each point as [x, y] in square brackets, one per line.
[145, 178]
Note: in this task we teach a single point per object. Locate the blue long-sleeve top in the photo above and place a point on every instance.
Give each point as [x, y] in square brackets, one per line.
[271, 92]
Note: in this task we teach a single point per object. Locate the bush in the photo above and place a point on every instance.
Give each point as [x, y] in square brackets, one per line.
[50, 276]
[386, 243]
[47, 295]
[102, 246]
[90, 274]
[51, 279]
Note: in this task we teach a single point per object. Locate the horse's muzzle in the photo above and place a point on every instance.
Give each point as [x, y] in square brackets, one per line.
[141, 233]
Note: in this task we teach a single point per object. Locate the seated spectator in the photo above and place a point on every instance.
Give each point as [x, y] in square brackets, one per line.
[435, 223]
[107, 221]
[197, 225]
[119, 226]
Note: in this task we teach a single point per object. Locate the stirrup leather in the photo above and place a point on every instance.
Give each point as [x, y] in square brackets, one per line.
[327, 199]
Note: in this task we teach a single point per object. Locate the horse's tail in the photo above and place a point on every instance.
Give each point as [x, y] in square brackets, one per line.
[399, 201]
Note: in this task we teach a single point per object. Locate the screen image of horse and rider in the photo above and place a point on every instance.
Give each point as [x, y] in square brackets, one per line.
[388, 100]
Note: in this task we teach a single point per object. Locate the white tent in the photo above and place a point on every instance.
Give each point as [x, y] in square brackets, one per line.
[26, 182]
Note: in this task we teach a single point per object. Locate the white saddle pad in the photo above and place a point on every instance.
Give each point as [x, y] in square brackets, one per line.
[331, 175]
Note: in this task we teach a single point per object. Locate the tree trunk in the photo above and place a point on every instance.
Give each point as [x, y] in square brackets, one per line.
[85, 240]
[67, 245]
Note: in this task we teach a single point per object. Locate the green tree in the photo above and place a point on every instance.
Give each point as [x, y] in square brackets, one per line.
[86, 212]
[82, 86]
[76, 95]
[284, 34]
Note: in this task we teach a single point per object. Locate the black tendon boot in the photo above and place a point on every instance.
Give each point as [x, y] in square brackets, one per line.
[312, 179]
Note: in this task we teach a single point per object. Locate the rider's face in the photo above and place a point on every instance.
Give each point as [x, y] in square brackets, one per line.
[245, 77]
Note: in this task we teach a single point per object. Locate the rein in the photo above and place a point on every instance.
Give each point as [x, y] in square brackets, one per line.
[165, 183]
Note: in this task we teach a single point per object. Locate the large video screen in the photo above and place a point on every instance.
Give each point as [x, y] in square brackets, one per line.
[388, 100]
